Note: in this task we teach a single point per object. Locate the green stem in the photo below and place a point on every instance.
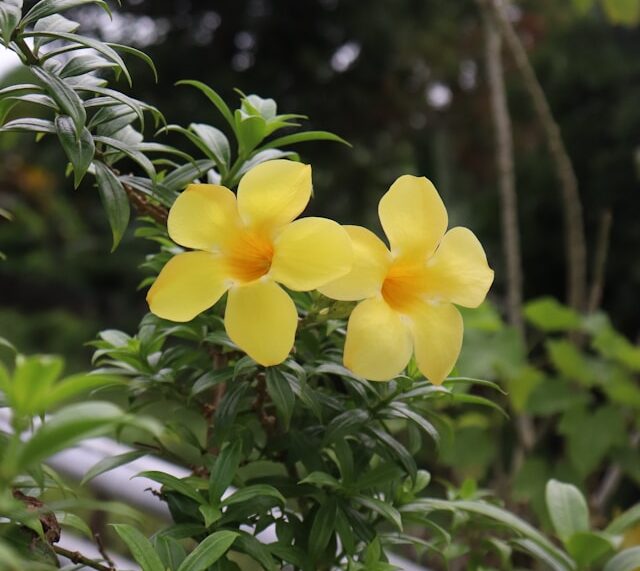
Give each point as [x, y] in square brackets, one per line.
[29, 56]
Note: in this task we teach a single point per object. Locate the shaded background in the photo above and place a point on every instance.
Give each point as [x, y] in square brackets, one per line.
[403, 81]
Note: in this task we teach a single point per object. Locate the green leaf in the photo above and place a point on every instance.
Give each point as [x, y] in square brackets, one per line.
[66, 98]
[174, 484]
[46, 8]
[567, 508]
[250, 131]
[387, 511]
[625, 12]
[587, 547]
[80, 42]
[79, 149]
[169, 550]
[569, 361]
[224, 469]
[304, 137]
[215, 141]
[186, 174]
[253, 548]
[323, 527]
[208, 551]
[627, 560]
[214, 98]
[80, 65]
[140, 547]
[583, 6]
[111, 462]
[130, 152]
[139, 54]
[32, 380]
[624, 521]
[548, 314]
[67, 427]
[53, 23]
[10, 12]
[210, 514]
[281, 394]
[249, 492]
[115, 201]
[32, 125]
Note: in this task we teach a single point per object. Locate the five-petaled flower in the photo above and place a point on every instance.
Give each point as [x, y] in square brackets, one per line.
[409, 292]
[247, 246]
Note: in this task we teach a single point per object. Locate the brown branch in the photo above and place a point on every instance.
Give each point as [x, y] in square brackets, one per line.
[600, 261]
[77, 557]
[505, 169]
[575, 242]
[144, 206]
[103, 551]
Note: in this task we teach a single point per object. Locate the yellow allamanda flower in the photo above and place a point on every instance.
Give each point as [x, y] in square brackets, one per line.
[409, 292]
[247, 246]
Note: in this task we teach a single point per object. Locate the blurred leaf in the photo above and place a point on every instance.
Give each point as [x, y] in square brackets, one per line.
[323, 527]
[53, 23]
[139, 54]
[627, 560]
[583, 6]
[548, 314]
[587, 548]
[67, 427]
[46, 8]
[208, 551]
[140, 547]
[626, 12]
[569, 361]
[76, 523]
[303, 137]
[115, 201]
[567, 509]
[109, 463]
[214, 98]
[625, 521]
[387, 511]
[253, 548]
[79, 149]
[174, 484]
[35, 125]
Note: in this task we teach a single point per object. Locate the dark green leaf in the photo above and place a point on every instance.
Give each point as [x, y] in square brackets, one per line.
[303, 137]
[256, 550]
[33, 125]
[213, 97]
[140, 547]
[281, 394]
[79, 149]
[323, 527]
[248, 493]
[387, 511]
[115, 201]
[224, 469]
[174, 484]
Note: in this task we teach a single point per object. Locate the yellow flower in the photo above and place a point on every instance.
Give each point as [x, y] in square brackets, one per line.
[409, 291]
[248, 246]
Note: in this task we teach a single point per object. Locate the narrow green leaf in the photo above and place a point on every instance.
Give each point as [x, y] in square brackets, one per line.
[53, 23]
[214, 98]
[624, 521]
[215, 141]
[115, 201]
[31, 125]
[174, 484]
[304, 137]
[627, 560]
[10, 12]
[567, 508]
[248, 544]
[79, 149]
[323, 527]
[281, 394]
[387, 511]
[224, 469]
[111, 462]
[46, 8]
[249, 492]
[139, 54]
[80, 65]
[208, 551]
[140, 547]
[131, 152]
[186, 174]
[19, 89]
[66, 98]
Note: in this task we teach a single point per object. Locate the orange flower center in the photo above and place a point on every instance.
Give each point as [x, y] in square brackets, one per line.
[249, 256]
[403, 286]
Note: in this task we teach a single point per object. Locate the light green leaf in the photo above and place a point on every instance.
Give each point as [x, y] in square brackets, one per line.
[10, 12]
[304, 137]
[79, 149]
[214, 98]
[111, 462]
[31, 125]
[321, 479]
[548, 314]
[80, 65]
[53, 23]
[215, 141]
[587, 548]
[567, 508]
[46, 8]
[208, 551]
[625, 12]
[626, 520]
[115, 201]
[139, 54]
[250, 492]
[627, 560]
[387, 511]
[140, 547]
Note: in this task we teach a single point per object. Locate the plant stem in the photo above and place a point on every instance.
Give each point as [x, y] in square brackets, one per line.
[575, 242]
[600, 261]
[29, 56]
[76, 557]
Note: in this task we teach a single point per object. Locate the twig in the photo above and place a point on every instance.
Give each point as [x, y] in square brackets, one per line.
[77, 557]
[576, 250]
[144, 206]
[611, 479]
[600, 261]
[505, 168]
[103, 551]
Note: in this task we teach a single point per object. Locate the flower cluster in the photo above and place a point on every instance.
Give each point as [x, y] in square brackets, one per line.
[252, 244]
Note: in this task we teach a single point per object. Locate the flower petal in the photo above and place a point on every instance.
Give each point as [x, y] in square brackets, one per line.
[379, 344]
[274, 193]
[261, 319]
[437, 332]
[188, 284]
[458, 272]
[203, 217]
[310, 252]
[413, 216]
[371, 261]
